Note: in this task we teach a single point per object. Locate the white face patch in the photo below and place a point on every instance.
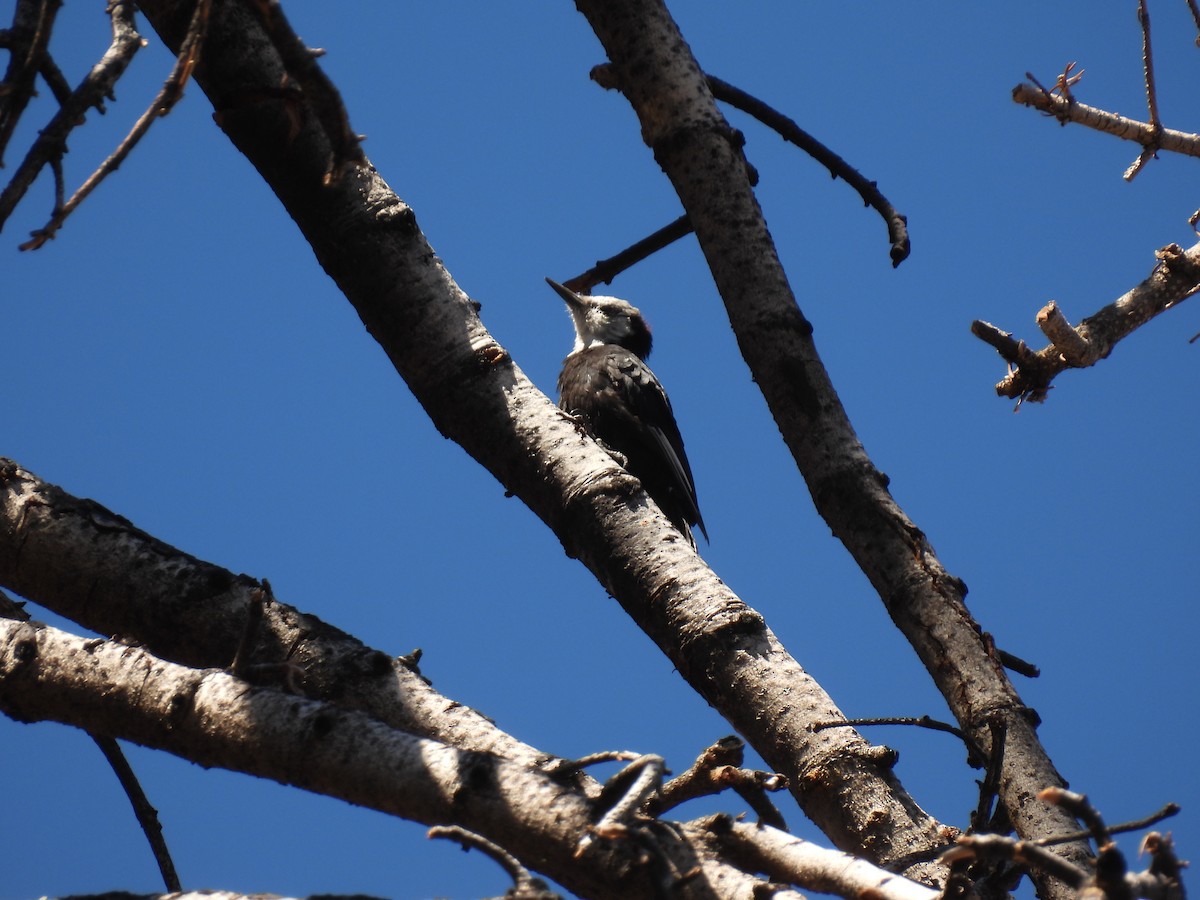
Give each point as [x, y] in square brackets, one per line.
[605, 320]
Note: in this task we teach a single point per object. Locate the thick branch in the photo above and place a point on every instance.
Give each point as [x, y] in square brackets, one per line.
[1174, 278]
[698, 151]
[215, 719]
[90, 565]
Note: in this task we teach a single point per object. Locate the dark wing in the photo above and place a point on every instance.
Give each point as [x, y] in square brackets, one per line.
[622, 404]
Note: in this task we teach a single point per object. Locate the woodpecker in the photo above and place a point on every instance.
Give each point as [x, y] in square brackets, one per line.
[606, 385]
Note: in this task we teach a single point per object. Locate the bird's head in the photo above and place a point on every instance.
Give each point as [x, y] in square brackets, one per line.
[605, 320]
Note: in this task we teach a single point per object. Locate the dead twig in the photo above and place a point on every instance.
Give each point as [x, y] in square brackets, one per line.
[1068, 109]
[897, 224]
[1150, 151]
[26, 42]
[1174, 278]
[525, 886]
[717, 768]
[168, 96]
[97, 85]
[605, 270]
[145, 813]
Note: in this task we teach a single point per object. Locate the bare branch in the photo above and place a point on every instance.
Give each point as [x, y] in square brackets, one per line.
[897, 224]
[1150, 150]
[525, 886]
[26, 41]
[1168, 810]
[1174, 278]
[1082, 809]
[168, 96]
[146, 814]
[701, 155]
[94, 567]
[216, 719]
[1067, 109]
[95, 87]
[605, 270]
[718, 768]
[791, 860]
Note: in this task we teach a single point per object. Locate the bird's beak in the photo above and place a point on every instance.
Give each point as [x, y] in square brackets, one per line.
[572, 298]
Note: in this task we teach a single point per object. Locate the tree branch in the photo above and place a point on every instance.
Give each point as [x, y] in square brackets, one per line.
[96, 568]
[1068, 109]
[216, 719]
[1174, 278]
[791, 860]
[897, 224]
[168, 96]
[699, 153]
[97, 84]
[26, 42]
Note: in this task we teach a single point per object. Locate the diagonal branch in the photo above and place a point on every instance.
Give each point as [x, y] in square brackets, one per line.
[92, 566]
[1174, 278]
[216, 719]
[1068, 109]
[168, 96]
[897, 224]
[26, 42]
[699, 153]
[143, 811]
[96, 86]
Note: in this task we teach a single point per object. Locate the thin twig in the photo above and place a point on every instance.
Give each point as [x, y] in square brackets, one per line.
[1081, 808]
[1016, 664]
[718, 768]
[605, 270]
[1148, 64]
[33, 20]
[1195, 18]
[525, 885]
[976, 757]
[644, 778]
[1150, 150]
[897, 224]
[983, 818]
[1169, 810]
[320, 93]
[168, 96]
[51, 141]
[147, 815]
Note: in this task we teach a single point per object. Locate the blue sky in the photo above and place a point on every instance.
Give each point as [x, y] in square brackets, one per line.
[177, 355]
